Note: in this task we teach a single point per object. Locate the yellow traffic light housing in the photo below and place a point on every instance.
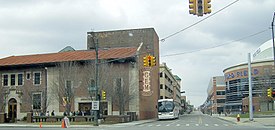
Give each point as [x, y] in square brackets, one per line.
[153, 61]
[269, 92]
[206, 7]
[103, 95]
[193, 7]
[145, 61]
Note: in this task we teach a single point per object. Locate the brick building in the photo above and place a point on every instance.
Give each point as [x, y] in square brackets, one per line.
[63, 81]
[147, 42]
[216, 95]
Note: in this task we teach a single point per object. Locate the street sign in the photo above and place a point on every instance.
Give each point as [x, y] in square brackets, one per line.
[95, 105]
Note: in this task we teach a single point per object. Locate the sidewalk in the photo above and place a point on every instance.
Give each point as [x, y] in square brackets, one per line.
[263, 121]
[31, 125]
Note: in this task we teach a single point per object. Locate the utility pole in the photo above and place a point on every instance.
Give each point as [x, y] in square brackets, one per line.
[272, 29]
[95, 89]
[96, 79]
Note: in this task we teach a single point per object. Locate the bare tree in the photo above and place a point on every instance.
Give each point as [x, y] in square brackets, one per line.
[119, 92]
[2, 99]
[263, 83]
[68, 79]
[112, 78]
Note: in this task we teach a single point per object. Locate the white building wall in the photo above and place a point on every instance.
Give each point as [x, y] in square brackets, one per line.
[134, 88]
[52, 97]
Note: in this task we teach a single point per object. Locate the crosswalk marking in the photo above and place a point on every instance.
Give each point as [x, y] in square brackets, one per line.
[188, 125]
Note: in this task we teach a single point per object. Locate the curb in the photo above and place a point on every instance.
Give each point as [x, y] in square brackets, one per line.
[227, 120]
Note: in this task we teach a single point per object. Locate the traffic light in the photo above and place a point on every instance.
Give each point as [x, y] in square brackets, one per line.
[200, 8]
[149, 60]
[273, 93]
[269, 92]
[103, 95]
[193, 7]
[206, 6]
[145, 61]
[153, 61]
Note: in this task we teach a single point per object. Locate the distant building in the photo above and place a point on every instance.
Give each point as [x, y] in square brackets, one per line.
[169, 84]
[216, 95]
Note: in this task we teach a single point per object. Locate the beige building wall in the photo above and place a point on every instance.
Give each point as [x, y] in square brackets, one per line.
[169, 86]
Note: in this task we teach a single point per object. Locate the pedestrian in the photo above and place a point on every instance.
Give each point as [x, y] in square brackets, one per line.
[47, 113]
[53, 114]
[238, 118]
[66, 121]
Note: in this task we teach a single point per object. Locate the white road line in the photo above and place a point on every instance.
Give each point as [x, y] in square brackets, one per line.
[150, 125]
[226, 125]
[216, 124]
[187, 125]
[197, 124]
[178, 124]
[168, 125]
[158, 125]
[206, 125]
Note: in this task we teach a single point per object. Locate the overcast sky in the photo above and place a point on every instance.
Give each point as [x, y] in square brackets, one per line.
[33, 27]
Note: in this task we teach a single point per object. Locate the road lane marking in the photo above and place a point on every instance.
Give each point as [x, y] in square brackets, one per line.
[200, 120]
[187, 124]
[216, 124]
[178, 124]
[197, 124]
[206, 125]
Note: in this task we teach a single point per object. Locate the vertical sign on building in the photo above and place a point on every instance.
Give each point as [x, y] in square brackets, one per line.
[146, 91]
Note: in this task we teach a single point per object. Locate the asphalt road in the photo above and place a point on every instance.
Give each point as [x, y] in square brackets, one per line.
[194, 121]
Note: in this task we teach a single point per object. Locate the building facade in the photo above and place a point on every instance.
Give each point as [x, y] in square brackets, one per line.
[216, 95]
[146, 41]
[263, 77]
[66, 80]
[169, 84]
[237, 86]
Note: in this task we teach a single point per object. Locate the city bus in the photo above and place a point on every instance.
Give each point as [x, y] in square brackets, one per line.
[168, 109]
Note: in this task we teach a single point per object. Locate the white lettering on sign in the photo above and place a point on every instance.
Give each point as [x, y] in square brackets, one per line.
[95, 105]
[146, 91]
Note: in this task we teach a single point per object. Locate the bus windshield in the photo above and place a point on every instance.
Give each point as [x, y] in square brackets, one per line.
[165, 106]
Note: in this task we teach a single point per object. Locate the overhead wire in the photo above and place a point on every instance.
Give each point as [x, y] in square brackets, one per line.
[224, 44]
[173, 34]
